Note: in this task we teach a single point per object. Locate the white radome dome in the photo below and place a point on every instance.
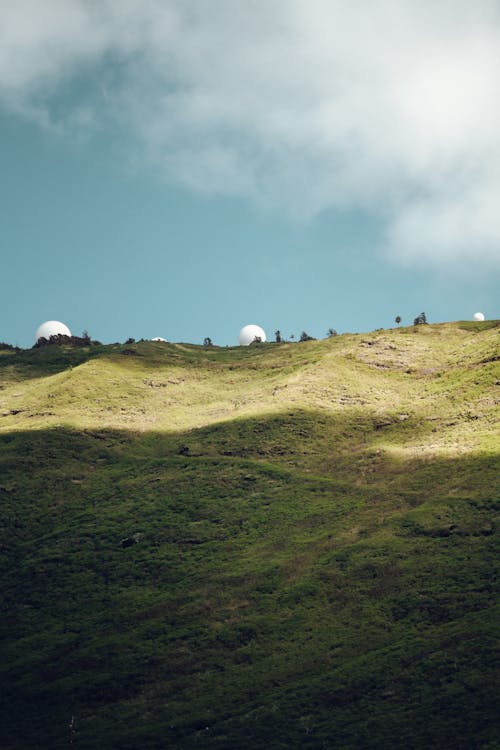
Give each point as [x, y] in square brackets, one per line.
[51, 328]
[249, 333]
[159, 338]
[478, 317]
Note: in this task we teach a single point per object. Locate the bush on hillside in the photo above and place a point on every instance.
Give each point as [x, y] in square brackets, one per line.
[305, 337]
[420, 319]
[61, 340]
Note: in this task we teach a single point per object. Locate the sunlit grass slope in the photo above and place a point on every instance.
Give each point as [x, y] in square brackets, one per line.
[284, 546]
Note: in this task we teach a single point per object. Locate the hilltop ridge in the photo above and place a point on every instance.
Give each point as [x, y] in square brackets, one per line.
[151, 385]
[276, 546]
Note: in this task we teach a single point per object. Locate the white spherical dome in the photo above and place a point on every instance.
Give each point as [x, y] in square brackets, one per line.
[478, 316]
[159, 338]
[51, 328]
[249, 333]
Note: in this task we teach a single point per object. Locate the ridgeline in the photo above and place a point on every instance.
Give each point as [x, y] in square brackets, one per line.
[263, 548]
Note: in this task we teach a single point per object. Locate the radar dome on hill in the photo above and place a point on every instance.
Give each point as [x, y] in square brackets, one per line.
[159, 338]
[51, 328]
[251, 333]
[478, 316]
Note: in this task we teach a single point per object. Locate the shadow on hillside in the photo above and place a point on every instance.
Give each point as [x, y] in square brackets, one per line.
[48, 360]
[236, 578]
[349, 445]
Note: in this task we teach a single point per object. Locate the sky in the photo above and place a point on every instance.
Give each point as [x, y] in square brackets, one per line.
[179, 168]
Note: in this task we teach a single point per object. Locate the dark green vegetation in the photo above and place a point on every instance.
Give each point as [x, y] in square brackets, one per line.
[288, 546]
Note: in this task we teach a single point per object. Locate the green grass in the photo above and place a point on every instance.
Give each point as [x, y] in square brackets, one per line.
[316, 555]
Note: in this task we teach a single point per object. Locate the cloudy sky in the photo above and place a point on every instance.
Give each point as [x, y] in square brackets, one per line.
[179, 168]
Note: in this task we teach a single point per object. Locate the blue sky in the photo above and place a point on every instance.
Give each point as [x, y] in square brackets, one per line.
[169, 171]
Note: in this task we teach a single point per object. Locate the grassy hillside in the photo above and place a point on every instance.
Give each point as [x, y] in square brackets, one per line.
[284, 546]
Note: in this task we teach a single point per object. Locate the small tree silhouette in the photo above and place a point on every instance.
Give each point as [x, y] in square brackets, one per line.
[207, 341]
[420, 319]
[277, 335]
[397, 319]
[305, 337]
[331, 332]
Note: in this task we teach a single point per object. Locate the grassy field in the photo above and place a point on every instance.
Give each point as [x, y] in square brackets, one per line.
[280, 546]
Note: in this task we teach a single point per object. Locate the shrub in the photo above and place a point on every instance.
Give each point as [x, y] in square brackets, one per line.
[305, 337]
[61, 340]
[420, 320]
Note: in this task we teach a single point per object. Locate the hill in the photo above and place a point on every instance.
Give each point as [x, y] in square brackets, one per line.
[280, 546]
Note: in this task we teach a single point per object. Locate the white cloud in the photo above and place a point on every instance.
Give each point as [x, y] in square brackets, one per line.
[390, 106]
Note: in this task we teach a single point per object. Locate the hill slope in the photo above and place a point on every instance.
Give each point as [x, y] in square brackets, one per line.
[273, 547]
